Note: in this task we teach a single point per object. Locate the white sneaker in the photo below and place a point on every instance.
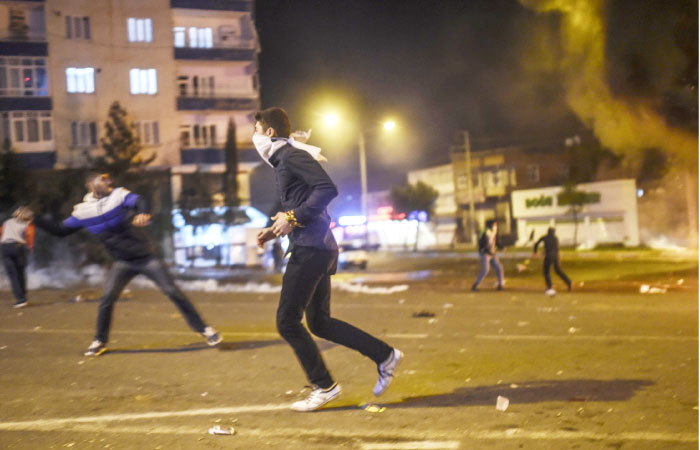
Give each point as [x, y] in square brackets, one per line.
[386, 372]
[317, 398]
[96, 348]
[213, 337]
[551, 292]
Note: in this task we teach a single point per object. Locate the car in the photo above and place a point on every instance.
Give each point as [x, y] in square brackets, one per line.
[352, 255]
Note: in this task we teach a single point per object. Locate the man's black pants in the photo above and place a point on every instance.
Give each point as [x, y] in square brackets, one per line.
[548, 263]
[122, 272]
[14, 258]
[306, 287]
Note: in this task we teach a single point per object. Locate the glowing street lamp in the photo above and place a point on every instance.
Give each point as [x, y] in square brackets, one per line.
[331, 120]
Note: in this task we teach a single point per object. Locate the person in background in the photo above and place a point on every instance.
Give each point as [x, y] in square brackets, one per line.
[16, 241]
[551, 258]
[488, 244]
[305, 190]
[116, 216]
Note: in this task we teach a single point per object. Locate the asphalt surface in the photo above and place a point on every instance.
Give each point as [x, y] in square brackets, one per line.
[587, 370]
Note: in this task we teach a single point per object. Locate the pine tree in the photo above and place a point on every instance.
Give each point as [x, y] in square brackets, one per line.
[122, 150]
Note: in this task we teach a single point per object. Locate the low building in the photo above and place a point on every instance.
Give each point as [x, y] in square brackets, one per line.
[608, 217]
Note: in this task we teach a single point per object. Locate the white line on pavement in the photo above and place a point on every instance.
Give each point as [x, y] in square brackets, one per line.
[183, 333]
[415, 445]
[564, 337]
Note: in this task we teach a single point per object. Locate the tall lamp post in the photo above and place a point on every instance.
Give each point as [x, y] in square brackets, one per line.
[332, 120]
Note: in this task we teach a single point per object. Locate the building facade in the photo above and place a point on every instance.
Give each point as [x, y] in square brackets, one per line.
[182, 69]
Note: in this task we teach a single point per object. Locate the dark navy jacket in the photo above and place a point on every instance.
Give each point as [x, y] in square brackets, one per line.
[108, 218]
[304, 187]
[551, 245]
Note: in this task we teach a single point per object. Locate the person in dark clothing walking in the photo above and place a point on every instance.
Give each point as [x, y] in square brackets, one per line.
[551, 258]
[16, 241]
[115, 216]
[488, 244]
[305, 191]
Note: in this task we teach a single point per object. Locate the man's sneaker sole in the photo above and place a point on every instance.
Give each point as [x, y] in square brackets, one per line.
[20, 305]
[95, 353]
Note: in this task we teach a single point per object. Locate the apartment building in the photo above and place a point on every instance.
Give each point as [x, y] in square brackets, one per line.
[182, 69]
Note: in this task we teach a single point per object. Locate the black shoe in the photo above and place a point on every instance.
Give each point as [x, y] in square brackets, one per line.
[499, 287]
[474, 288]
[568, 286]
[20, 304]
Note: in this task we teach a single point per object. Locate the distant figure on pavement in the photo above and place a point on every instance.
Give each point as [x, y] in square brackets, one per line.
[16, 241]
[551, 258]
[305, 190]
[488, 244]
[115, 216]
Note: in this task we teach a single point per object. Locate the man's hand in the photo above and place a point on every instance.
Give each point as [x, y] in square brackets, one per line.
[265, 235]
[141, 220]
[281, 227]
[534, 256]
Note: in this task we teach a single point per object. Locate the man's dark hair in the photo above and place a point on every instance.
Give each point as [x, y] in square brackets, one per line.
[489, 223]
[275, 118]
[91, 175]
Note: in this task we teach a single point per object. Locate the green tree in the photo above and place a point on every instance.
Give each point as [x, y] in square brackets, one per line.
[576, 200]
[231, 173]
[414, 197]
[123, 153]
[13, 179]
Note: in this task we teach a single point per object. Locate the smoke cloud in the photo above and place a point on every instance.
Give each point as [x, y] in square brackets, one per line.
[623, 120]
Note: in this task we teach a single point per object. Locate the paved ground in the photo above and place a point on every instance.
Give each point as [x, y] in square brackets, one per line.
[590, 369]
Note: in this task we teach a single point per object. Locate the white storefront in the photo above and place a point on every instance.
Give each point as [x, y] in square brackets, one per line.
[609, 218]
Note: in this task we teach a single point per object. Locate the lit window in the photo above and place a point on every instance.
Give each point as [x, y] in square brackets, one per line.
[83, 134]
[139, 30]
[179, 33]
[143, 81]
[201, 37]
[77, 27]
[80, 80]
[198, 136]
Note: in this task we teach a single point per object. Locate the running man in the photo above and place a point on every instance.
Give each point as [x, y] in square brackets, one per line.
[551, 258]
[305, 191]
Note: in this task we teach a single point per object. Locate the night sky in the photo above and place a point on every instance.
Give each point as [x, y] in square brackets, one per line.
[493, 67]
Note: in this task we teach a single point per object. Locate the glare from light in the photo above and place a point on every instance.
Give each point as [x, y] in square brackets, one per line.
[331, 120]
[389, 125]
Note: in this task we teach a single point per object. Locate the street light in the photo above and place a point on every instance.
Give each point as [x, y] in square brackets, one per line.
[389, 125]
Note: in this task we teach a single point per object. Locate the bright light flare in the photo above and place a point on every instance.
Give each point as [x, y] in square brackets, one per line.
[389, 125]
[331, 120]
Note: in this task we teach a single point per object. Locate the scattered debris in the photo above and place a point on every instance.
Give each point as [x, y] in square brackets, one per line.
[646, 289]
[222, 431]
[423, 313]
[372, 408]
[364, 289]
[204, 394]
[521, 267]
[523, 324]
[560, 372]
[680, 282]
[513, 386]
[502, 403]
[402, 301]
[448, 305]
[573, 330]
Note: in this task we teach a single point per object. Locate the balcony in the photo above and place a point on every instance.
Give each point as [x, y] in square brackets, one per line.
[23, 47]
[201, 103]
[37, 160]
[25, 104]
[215, 54]
[215, 5]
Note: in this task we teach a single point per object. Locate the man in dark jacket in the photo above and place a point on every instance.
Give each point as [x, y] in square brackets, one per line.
[488, 244]
[112, 215]
[551, 258]
[305, 191]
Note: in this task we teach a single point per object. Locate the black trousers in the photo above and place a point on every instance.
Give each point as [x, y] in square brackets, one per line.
[121, 273]
[548, 263]
[14, 258]
[306, 288]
